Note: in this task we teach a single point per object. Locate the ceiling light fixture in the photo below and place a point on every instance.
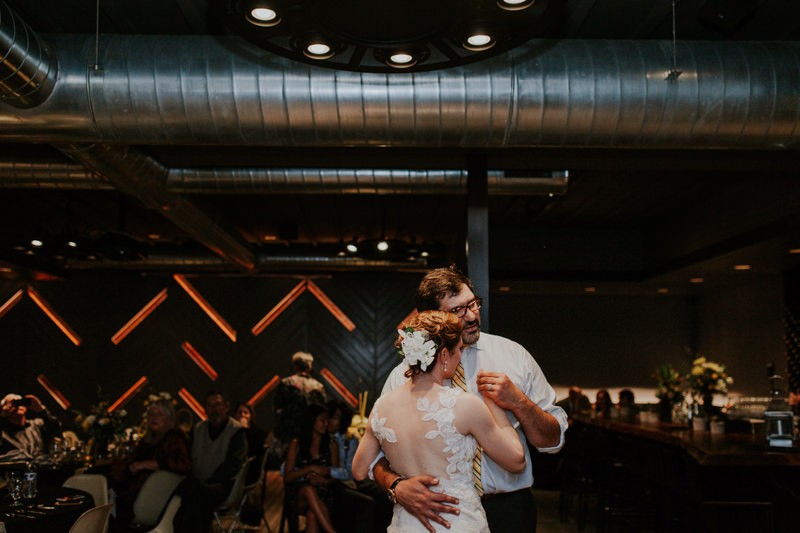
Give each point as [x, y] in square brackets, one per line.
[352, 247]
[742, 267]
[367, 36]
[263, 15]
[478, 42]
[382, 245]
[36, 243]
[515, 5]
[696, 280]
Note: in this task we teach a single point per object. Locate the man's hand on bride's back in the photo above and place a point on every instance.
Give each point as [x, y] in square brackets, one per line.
[418, 499]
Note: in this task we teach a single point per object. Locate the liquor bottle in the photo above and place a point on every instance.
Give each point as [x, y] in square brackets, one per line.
[778, 416]
[29, 482]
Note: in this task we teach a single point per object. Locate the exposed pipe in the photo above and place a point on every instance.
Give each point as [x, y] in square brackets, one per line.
[142, 177]
[55, 175]
[222, 90]
[27, 66]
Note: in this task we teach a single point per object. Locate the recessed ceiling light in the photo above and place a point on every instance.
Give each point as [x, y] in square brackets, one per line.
[478, 42]
[72, 244]
[318, 50]
[263, 16]
[36, 243]
[424, 254]
[515, 5]
[741, 267]
[352, 247]
[696, 280]
[382, 246]
[401, 60]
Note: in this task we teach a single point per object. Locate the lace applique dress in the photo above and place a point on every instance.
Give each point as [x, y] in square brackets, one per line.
[457, 451]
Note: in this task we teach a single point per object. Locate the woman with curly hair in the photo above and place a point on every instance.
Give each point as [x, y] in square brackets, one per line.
[427, 426]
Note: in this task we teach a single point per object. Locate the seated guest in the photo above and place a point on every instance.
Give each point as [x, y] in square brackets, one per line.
[576, 403]
[602, 404]
[627, 405]
[219, 450]
[256, 437]
[245, 415]
[354, 506]
[307, 478]
[163, 447]
[26, 428]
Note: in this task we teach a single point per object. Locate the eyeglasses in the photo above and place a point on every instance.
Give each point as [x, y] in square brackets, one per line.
[461, 310]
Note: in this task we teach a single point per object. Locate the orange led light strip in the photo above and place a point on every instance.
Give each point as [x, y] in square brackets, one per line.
[137, 319]
[128, 394]
[11, 302]
[198, 359]
[205, 306]
[266, 389]
[53, 391]
[330, 306]
[57, 320]
[193, 404]
[408, 317]
[279, 308]
[338, 387]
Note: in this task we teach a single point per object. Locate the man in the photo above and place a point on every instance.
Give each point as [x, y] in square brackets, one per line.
[505, 372]
[576, 403]
[294, 394]
[219, 449]
[23, 436]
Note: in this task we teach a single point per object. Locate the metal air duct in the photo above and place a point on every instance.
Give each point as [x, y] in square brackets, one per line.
[221, 90]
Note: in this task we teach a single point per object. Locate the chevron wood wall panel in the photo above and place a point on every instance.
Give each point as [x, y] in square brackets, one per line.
[97, 308]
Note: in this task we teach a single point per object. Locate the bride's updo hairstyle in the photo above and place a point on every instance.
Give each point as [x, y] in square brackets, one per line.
[441, 327]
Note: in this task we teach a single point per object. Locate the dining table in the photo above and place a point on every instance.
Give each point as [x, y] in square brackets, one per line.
[54, 510]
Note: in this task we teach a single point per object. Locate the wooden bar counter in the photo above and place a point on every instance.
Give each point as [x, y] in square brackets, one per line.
[666, 477]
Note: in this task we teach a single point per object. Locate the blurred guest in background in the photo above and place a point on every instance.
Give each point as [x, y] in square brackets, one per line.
[252, 513]
[163, 447]
[294, 394]
[219, 450]
[26, 428]
[627, 405]
[354, 510]
[576, 403]
[309, 459]
[602, 404]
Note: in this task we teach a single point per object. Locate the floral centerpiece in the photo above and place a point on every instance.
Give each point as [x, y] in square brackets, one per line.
[669, 390]
[101, 426]
[708, 378]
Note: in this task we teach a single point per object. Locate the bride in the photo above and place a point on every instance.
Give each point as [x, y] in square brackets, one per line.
[425, 427]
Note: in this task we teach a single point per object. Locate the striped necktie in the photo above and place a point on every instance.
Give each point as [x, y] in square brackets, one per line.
[458, 381]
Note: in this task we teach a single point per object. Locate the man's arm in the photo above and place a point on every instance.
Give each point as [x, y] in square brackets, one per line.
[415, 496]
[542, 429]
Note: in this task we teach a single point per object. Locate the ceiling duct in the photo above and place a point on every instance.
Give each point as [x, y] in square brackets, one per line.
[53, 175]
[222, 90]
[27, 66]
[142, 177]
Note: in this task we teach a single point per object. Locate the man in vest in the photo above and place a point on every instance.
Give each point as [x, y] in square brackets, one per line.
[219, 449]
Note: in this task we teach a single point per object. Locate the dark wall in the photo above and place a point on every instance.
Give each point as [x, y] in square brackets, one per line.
[598, 341]
[97, 307]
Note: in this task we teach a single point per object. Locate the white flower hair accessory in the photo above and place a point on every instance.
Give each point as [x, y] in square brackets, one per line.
[417, 348]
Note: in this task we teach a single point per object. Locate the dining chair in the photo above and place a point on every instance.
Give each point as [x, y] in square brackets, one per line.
[164, 524]
[260, 482]
[92, 521]
[232, 506]
[155, 500]
[94, 484]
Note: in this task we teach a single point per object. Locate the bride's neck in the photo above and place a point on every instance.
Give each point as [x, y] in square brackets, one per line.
[427, 380]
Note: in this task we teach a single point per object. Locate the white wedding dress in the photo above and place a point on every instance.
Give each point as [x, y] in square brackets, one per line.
[445, 446]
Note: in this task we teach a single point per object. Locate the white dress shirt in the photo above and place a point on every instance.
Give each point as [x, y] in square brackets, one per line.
[498, 354]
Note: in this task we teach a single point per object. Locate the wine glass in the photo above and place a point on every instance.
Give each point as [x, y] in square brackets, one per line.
[14, 484]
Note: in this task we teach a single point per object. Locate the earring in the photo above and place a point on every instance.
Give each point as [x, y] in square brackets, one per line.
[445, 365]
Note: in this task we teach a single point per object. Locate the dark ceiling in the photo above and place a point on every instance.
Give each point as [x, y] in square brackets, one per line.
[652, 215]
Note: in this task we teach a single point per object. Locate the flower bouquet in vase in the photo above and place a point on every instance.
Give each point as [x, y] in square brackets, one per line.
[669, 390]
[708, 378]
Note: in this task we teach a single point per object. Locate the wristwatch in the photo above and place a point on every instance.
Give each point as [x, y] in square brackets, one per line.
[390, 493]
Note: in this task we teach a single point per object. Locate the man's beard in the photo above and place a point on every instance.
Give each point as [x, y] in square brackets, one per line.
[471, 337]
